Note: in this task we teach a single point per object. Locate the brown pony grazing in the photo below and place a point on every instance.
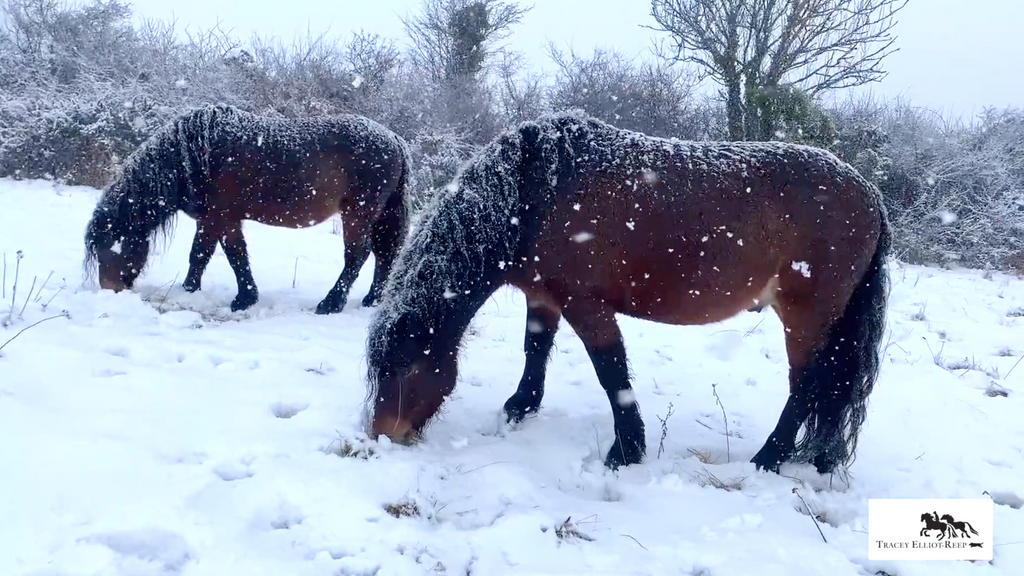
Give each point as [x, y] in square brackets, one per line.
[590, 221]
[221, 165]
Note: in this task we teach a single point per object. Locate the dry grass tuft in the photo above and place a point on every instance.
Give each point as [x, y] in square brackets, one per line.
[346, 448]
[705, 477]
[404, 508]
[995, 390]
[569, 531]
[703, 456]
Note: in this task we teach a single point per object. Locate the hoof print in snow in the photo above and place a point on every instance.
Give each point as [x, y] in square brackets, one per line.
[320, 370]
[119, 352]
[111, 373]
[352, 566]
[160, 547]
[284, 410]
[285, 522]
[232, 472]
[1008, 499]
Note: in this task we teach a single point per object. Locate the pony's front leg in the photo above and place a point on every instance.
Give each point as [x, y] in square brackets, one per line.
[595, 324]
[541, 326]
[238, 256]
[203, 246]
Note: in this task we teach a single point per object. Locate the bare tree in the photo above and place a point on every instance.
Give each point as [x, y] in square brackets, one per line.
[650, 97]
[452, 39]
[521, 97]
[814, 45]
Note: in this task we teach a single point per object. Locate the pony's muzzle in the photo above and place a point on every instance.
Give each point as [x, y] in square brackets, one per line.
[115, 285]
[398, 430]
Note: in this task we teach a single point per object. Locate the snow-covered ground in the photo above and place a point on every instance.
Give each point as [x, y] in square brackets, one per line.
[153, 432]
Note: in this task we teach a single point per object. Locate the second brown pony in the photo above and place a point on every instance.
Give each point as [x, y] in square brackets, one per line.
[220, 166]
[590, 221]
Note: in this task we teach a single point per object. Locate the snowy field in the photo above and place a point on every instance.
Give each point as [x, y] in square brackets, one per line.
[155, 433]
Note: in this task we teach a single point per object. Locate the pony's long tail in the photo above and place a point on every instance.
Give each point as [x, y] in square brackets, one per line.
[845, 369]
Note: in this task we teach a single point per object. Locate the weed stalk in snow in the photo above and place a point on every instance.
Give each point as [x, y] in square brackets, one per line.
[21, 314]
[39, 294]
[664, 429]
[63, 314]
[810, 513]
[725, 419]
[65, 283]
[1014, 366]
[14, 288]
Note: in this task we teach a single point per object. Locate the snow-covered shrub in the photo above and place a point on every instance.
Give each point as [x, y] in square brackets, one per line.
[955, 193]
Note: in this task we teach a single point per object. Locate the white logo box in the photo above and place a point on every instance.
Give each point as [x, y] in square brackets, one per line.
[930, 529]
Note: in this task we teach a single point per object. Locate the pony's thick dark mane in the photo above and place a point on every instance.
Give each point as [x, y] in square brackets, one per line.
[464, 241]
[154, 182]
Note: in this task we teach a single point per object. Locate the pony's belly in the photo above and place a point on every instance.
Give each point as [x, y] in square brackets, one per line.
[689, 301]
[299, 213]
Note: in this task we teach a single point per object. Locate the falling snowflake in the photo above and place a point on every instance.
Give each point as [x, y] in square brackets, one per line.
[582, 237]
[626, 398]
[947, 217]
[803, 268]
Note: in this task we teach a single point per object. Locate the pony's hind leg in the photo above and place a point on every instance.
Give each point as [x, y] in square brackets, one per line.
[541, 326]
[595, 325]
[237, 252]
[357, 250]
[386, 237]
[834, 363]
[203, 246]
[800, 343]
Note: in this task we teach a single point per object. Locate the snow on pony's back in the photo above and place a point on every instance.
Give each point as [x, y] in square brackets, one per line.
[166, 172]
[470, 229]
[480, 205]
[599, 145]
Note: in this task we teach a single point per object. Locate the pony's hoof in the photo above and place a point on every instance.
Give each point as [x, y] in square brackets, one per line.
[327, 306]
[766, 461]
[243, 301]
[369, 301]
[624, 454]
[516, 409]
[824, 464]
[190, 287]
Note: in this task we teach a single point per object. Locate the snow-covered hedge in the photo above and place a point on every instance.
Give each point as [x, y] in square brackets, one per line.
[81, 87]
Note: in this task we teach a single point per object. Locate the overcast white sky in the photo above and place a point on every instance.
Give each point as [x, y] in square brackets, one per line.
[955, 55]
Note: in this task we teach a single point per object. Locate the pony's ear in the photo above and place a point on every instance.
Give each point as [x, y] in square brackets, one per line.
[533, 167]
[529, 132]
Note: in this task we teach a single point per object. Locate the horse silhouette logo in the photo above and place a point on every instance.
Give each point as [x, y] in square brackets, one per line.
[946, 526]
